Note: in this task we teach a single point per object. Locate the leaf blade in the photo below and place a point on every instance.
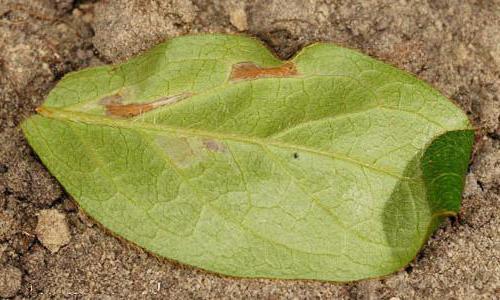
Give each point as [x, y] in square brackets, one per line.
[204, 182]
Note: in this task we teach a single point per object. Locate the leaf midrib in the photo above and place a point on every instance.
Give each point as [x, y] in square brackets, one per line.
[72, 116]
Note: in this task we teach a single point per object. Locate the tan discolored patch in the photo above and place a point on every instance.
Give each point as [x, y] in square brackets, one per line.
[114, 107]
[249, 70]
[180, 151]
[214, 146]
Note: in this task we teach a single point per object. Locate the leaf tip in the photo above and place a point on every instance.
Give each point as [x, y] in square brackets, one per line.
[43, 111]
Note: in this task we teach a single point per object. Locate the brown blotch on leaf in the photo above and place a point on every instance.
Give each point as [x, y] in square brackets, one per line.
[114, 107]
[249, 70]
[127, 110]
[214, 146]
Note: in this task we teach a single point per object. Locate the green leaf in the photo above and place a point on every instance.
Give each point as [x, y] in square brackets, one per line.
[210, 151]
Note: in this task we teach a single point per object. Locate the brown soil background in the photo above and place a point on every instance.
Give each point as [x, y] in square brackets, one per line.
[454, 45]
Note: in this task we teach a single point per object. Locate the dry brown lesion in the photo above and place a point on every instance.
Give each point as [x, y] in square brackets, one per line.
[114, 106]
[249, 70]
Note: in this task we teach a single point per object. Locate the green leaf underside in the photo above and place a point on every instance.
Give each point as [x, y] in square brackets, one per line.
[337, 170]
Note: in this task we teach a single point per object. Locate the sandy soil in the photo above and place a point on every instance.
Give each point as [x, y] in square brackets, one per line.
[454, 45]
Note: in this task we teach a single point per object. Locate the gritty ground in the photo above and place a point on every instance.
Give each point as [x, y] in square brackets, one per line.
[454, 45]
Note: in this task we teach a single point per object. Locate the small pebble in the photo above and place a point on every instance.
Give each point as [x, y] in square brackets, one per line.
[77, 13]
[52, 229]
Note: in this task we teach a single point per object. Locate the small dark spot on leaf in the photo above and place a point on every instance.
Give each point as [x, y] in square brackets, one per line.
[295, 155]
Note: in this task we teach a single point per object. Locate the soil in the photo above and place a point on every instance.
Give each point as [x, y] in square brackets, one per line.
[454, 45]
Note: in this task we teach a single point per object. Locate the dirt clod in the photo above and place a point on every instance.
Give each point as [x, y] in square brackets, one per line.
[117, 22]
[7, 225]
[238, 18]
[52, 229]
[10, 281]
